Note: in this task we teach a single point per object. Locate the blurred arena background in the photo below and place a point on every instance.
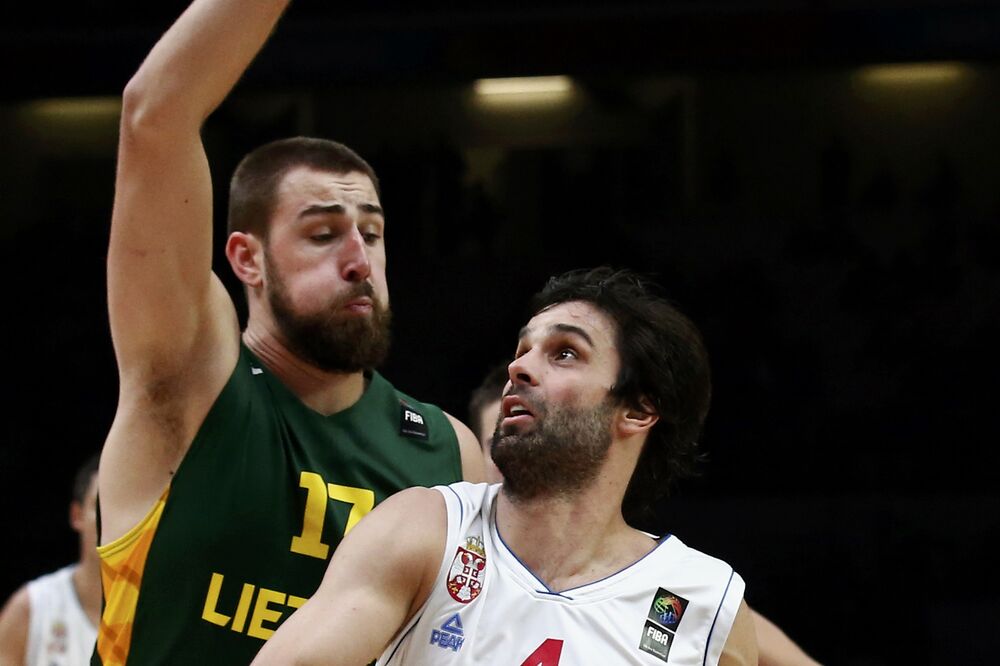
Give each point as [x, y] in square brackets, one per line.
[816, 184]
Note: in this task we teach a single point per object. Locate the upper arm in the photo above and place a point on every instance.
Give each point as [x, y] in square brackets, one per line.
[15, 619]
[174, 326]
[164, 304]
[165, 307]
[776, 648]
[741, 645]
[473, 466]
[379, 576]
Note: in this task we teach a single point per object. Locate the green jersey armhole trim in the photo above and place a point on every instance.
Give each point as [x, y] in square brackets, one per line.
[125, 540]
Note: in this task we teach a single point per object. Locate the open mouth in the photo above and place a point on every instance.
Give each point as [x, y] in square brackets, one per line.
[516, 411]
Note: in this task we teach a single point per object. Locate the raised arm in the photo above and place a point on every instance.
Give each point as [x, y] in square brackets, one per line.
[174, 327]
[379, 577]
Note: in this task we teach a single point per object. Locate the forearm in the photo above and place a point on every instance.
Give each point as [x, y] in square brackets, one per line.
[316, 635]
[378, 577]
[199, 59]
[776, 648]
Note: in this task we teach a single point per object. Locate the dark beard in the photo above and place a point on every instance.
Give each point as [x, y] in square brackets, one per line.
[559, 457]
[328, 340]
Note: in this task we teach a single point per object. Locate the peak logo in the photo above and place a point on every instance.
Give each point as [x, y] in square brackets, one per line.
[450, 636]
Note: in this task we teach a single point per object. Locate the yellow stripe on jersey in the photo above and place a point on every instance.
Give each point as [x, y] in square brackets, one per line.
[122, 563]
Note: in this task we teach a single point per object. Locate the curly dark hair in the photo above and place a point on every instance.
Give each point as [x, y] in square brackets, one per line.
[663, 362]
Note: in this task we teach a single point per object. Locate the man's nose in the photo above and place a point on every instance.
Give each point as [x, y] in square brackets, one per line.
[355, 264]
[520, 371]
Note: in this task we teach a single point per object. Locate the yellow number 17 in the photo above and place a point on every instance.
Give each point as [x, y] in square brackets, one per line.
[310, 541]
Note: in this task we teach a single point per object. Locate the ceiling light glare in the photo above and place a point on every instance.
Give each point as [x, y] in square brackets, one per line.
[524, 86]
[918, 73]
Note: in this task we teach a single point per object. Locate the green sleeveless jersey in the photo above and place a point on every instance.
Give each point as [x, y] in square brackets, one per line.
[244, 532]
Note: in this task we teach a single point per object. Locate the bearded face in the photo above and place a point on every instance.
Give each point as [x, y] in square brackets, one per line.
[330, 338]
[559, 456]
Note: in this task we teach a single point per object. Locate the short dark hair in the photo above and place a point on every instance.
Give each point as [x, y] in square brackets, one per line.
[84, 474]
[488, 391]
[252, 190]
[663, 362]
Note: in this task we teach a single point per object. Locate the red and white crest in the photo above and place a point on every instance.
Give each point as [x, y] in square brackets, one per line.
[465, 579]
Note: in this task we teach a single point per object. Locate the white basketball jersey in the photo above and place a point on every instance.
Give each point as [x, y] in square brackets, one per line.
[59, 631]
[674, 606]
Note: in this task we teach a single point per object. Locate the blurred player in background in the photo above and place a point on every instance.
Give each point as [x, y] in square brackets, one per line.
[52, 620]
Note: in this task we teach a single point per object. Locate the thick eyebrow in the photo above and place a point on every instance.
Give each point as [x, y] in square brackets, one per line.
[561, 328]
[339, 209]
[372, 209]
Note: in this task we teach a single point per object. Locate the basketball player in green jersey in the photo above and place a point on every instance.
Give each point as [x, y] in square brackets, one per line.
[238, 460]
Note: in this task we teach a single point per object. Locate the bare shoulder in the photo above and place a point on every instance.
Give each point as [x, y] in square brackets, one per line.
[473, 465]
[741, 646]
[417, 510]
[15, 619]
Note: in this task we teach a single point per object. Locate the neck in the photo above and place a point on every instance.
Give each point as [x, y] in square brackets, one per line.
[87, 584]
[322, 391]
[571, 541]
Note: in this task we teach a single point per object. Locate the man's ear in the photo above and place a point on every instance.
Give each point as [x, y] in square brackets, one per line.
[636, 421]
[76, 515]
[246, 256]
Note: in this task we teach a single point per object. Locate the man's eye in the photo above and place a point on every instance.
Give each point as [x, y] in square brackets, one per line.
[566, 354]
[321, 238]
[371, 237]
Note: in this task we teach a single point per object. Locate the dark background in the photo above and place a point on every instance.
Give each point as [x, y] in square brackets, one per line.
[833, 229]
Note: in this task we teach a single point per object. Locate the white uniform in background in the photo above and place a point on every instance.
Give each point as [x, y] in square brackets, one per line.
[674, 606]
[59, 632]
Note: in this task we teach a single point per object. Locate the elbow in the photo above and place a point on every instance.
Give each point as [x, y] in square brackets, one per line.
[149, 112]
[137, 104]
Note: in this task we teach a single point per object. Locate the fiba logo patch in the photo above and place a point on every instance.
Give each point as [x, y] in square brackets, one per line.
[667, 609]
[411, 422]
[665, 613]
[656, 640]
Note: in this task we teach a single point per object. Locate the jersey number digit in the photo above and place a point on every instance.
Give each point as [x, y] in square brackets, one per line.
[546, 654]
[318, 492]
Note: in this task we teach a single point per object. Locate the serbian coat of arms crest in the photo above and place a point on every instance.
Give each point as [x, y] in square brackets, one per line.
[465, 578]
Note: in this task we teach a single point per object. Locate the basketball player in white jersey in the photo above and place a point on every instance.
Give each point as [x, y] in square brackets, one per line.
[774, 646]
[52, 620]
[607, 395]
